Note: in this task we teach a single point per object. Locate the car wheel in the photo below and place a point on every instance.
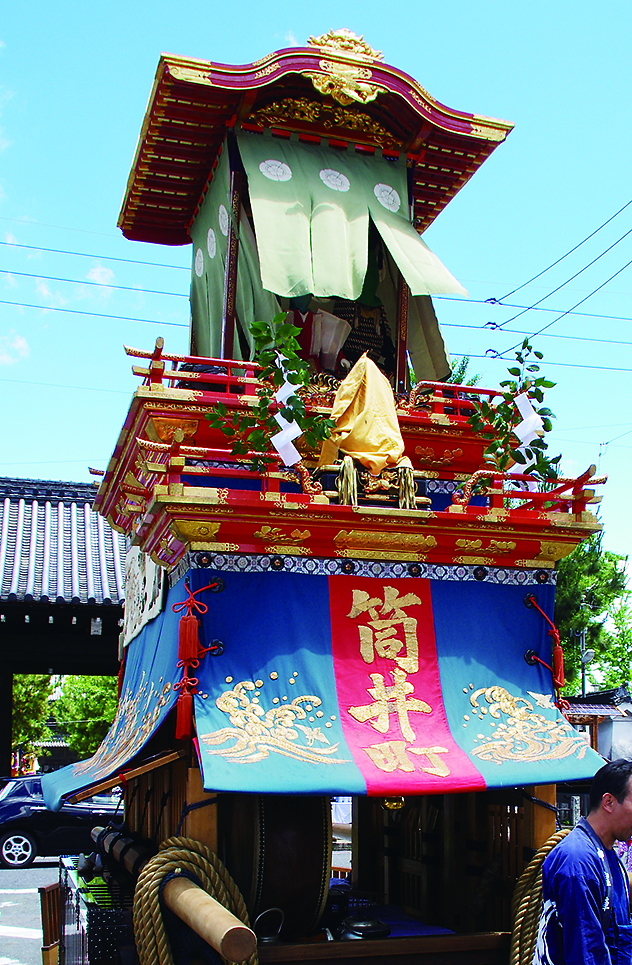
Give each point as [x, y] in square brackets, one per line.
[17, 850]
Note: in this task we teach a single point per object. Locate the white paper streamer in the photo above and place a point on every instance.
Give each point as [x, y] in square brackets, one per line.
[282, 441]
[531, 426]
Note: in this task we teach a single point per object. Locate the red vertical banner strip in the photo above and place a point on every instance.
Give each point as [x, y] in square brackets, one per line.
[389, 688]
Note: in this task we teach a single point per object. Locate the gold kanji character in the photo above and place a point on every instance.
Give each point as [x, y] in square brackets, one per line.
[437, 767]
[380, 635]
[390, 756]
[390, 700]
[392, 603]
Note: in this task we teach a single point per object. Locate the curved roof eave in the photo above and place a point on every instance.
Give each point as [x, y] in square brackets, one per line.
[313, 90]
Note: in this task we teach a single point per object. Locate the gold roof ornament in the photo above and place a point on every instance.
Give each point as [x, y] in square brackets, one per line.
[344, 82]
[344, 41]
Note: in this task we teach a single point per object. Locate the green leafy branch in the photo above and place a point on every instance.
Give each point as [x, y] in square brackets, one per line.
[276, 351]
[497, 422]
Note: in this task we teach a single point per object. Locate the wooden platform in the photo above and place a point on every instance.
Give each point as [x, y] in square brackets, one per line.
[488, 948]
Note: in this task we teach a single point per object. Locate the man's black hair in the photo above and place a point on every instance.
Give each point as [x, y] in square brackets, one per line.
[613, 778]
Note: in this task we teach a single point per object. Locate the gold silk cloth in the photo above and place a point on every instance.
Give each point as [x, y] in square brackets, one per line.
[366, 421]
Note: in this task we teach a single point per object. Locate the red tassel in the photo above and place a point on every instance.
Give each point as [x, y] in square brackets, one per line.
[184, 716]
[558, 666]
[189, 640]
[121, 677]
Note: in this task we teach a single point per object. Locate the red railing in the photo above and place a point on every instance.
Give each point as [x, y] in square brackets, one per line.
[447, 398]
[224, 380]
[425, 398]
[565, 495]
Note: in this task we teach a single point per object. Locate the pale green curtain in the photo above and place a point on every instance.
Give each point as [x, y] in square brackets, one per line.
[311, 207]
[428, 354]
[209, 234]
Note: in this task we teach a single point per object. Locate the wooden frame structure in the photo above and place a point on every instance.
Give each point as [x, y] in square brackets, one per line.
[175, 488]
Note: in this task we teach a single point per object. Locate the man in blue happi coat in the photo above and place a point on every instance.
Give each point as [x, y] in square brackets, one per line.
[585, 916]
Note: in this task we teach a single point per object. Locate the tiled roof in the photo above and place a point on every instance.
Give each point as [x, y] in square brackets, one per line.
[594, 710]
[54, 547]
[616, 695]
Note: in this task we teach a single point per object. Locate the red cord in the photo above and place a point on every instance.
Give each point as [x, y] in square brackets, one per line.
[190, 653]
[191, 603]
[557, 670]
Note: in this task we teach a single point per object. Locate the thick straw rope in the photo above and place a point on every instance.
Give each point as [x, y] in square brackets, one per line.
[183, 854]
[526, 904]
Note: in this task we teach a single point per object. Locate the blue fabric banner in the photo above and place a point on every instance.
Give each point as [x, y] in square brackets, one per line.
[346, 684]
[146, 699]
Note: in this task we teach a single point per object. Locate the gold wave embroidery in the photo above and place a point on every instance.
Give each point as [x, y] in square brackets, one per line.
[258, 732]
[136, 717]
[524, 735]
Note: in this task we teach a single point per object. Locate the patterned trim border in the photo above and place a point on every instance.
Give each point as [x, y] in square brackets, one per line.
[441, 486]
[380, 569]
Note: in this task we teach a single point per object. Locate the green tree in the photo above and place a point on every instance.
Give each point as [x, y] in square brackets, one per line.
[460, 374]
[30, 709]
[591, 582]
[85, 709]
[277, 350]
[614, 665]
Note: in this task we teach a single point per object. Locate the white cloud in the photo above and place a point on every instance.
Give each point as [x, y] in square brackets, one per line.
[100, 274]
[10, 280]
[13, 347]
[291, 39]
[10, 238]
[55, 298]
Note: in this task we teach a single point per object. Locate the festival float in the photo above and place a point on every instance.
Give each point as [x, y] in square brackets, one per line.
[339, 581]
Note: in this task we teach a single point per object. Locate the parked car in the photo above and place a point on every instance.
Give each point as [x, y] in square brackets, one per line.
[28, 828]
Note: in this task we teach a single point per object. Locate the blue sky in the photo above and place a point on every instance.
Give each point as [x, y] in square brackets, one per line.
[74, 82]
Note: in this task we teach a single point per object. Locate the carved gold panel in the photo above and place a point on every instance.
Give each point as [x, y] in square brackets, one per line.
[194, 530]
[396, 541]
[162, 430]
[554, 551]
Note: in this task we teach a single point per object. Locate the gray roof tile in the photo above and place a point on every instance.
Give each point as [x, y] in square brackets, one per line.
[54, 547]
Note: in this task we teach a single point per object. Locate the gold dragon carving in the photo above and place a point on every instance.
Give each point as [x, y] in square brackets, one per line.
[329, 115]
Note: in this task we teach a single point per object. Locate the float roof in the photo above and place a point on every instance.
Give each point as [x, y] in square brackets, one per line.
[336, 87]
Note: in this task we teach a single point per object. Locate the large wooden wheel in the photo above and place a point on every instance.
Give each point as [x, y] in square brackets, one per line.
[278, 850]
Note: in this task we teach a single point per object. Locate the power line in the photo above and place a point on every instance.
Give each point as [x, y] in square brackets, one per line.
[497, 357]
[552, 311]
[64, 385]
[85, 254]
[60, 227]
[515, 331]
[564, 283]
[76, 311]
[570, 252]
[52, 462]
[577, 304]
[614, 425]
[99, 284]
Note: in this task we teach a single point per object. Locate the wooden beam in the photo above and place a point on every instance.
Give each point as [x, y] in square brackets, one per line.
[111, 782]
[230, 275]
[539, 821]
[401, 377]
[209, 919]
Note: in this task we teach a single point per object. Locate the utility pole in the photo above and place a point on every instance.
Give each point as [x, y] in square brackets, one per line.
[586, 654]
